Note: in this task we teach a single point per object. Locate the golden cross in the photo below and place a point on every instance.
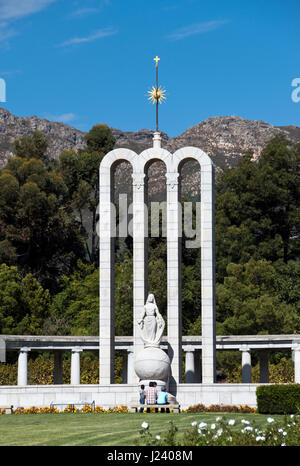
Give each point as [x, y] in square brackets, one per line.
[156, 59]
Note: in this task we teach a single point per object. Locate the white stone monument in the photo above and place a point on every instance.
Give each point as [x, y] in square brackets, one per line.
[107, 230]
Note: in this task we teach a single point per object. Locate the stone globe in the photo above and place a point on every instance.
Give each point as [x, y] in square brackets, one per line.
[152, 364]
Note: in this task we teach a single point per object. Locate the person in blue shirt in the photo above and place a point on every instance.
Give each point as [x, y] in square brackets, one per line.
[162, 398]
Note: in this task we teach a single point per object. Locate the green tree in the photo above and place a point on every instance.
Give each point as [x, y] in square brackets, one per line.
[248, 302]
[80, 171]
[258, 208]
[100, 139]
[76, 306]
[75, 309]
[38, 231]
[124, 296]
[24, 304]
[252, 300]
[32, 146]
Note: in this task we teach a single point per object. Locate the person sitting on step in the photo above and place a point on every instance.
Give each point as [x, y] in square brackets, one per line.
[162, 398]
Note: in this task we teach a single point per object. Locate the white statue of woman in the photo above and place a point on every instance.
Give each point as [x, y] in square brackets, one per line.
[151, 324]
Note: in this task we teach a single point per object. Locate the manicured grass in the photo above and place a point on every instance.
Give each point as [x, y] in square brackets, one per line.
[99, 429]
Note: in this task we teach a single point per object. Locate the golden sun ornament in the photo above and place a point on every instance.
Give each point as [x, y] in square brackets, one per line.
[157, 95]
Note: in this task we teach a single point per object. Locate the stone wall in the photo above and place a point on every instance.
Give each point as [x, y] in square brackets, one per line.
[109, 396]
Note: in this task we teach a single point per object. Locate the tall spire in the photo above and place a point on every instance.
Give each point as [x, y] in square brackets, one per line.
[157, 94]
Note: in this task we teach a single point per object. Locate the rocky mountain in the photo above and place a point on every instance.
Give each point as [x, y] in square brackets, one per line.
[223, 138]
[60, 136]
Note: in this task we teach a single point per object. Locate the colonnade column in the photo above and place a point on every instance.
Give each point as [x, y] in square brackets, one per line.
[58, 368]
[296, 358]
[23, 366]
[75, 366]
[131, 376]
[264, 366]
[246, 364]
[189, 364]
[140, 259]
[174, 227]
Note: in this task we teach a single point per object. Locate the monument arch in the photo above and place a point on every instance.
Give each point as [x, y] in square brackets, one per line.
[140, 233]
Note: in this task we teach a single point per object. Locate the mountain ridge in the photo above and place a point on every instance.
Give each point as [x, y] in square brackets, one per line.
[220, 137]
[224, 138]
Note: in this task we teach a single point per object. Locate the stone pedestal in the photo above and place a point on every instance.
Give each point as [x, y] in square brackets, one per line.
[156, 139]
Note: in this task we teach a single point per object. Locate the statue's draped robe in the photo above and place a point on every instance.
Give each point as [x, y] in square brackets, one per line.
[152, 325]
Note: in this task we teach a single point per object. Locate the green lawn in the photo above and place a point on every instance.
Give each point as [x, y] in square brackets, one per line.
[98, 429]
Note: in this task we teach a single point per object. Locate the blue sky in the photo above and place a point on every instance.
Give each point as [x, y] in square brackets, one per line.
[89, 61]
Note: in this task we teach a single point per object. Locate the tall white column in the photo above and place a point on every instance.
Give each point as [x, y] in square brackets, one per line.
[174, 279]
[131, 376]
[208, 293]
[106, 280]
[58, 368]
[189, 364]
[296, 357]
[75, 366]
[246, 365]
[264, 366]
[140, 258]
[23, 366]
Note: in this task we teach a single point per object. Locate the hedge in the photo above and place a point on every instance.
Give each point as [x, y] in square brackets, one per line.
[278, 399]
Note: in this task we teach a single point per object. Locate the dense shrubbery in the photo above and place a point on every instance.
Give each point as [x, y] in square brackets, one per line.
[278, 399]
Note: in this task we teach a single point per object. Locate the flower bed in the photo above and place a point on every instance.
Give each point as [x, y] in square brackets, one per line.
[200, 408]
[69, 409]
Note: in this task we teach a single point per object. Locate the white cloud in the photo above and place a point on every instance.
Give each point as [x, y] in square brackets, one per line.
[84, 12]
[195, 29]
[14, 9]
[97, 35]
[9, 73]
[64, 118]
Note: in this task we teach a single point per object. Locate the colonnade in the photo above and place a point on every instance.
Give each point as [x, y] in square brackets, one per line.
[192, 365]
